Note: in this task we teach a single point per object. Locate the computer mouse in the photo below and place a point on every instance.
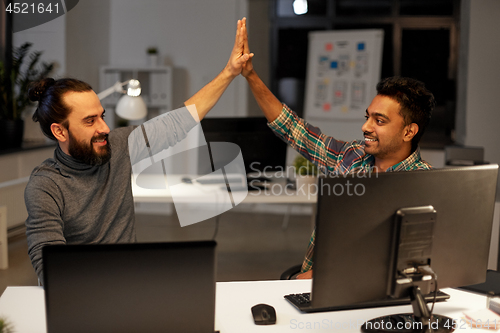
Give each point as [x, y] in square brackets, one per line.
[187, 180]
[263, 314]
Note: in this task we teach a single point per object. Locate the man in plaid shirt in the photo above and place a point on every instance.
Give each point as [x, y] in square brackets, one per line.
[395, 122]
[338, 157]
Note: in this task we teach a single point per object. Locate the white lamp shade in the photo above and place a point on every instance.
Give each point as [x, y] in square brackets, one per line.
[131, 108]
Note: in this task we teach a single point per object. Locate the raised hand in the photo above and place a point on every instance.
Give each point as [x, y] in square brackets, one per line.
[207, 97]
[247, 66]
[239, 55]
[268, 103]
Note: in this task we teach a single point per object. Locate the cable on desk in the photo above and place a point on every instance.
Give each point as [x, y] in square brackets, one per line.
[428, 270]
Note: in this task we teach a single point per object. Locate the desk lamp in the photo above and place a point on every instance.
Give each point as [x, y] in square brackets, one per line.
[131, 106]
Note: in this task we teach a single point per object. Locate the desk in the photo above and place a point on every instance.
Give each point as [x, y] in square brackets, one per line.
[234, 300]
[276, 193]
[24, 307]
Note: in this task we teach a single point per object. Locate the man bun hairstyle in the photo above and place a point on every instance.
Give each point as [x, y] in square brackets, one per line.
[51, 107]
[416, 102]
[37, 89]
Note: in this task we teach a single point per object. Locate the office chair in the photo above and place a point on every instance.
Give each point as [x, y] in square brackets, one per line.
[291, 272]
[463, 156]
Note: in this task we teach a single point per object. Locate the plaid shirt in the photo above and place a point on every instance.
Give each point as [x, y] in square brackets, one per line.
[331, 156]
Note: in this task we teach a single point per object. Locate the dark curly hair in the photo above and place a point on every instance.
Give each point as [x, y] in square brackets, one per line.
[51, 107]
[416, 102]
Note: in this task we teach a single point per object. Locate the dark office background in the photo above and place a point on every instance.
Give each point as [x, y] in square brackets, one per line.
[420, 41]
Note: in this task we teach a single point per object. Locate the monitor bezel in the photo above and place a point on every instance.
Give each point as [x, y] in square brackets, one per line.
[352, 260]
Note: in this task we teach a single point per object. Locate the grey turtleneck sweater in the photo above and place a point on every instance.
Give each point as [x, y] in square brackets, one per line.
[69, 202]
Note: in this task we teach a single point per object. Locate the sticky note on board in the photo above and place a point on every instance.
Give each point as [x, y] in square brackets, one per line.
[483, 315]
[484, 318]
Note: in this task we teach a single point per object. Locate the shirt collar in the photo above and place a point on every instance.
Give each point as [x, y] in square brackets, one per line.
[70, 162]
[404, 165]
[407, 163]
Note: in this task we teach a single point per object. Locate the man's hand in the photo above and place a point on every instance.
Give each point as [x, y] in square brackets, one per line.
[268, 103]
[247, 66]
[306, 275]
[207, 97]
[239, 55]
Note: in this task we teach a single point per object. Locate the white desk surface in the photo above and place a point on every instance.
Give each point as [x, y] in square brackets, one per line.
[276, 193]
[25, 309]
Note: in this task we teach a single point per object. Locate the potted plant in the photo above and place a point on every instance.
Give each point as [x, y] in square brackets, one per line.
[15, 100]
[306, 173]
[152, 56]
[5, 326]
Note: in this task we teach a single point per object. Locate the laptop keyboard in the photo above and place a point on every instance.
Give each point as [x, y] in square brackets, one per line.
[303, 302]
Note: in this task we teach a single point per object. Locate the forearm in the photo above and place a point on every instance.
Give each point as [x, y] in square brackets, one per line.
[38, 238]
[207, 97]
[268, 103]
[324, 151]
[44, 225]
[162, 132]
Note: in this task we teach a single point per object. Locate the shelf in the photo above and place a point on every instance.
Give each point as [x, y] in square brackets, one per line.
[156, 85]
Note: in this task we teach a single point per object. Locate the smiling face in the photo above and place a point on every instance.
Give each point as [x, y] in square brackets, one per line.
[387, 138]
[86, 137]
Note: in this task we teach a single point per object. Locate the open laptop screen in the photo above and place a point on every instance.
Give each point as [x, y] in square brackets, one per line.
[149, 287]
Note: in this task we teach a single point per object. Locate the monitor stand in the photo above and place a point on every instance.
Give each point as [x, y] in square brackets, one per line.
[419, 321]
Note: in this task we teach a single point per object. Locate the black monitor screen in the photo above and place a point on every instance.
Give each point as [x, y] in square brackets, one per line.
[356, 221]
[261, 149]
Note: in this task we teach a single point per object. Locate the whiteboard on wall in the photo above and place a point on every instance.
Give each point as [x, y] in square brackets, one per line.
[342, 72]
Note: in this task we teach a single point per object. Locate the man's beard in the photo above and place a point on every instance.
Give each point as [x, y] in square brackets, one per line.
[85, 152]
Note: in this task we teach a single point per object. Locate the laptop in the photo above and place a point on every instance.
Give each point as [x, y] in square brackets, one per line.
[139, 287]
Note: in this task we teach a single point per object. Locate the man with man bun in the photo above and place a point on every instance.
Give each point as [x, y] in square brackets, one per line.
[83, 194]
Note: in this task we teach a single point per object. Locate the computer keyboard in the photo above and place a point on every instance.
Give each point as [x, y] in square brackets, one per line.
[303, 302]
[299, 299]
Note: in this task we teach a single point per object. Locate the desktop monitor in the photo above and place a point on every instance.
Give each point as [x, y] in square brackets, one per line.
[261, 149]
[357, 224]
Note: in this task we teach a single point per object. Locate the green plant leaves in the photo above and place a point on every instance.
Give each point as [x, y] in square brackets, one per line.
[19, 79]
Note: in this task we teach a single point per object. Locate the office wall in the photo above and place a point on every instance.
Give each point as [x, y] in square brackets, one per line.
[479, 77]
[195, 37]
[87, 40]
[478, 99]
[258, 39]
[48, 38]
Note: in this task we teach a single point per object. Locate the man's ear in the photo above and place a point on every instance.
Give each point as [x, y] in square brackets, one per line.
[60, 132]
[410, 131]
